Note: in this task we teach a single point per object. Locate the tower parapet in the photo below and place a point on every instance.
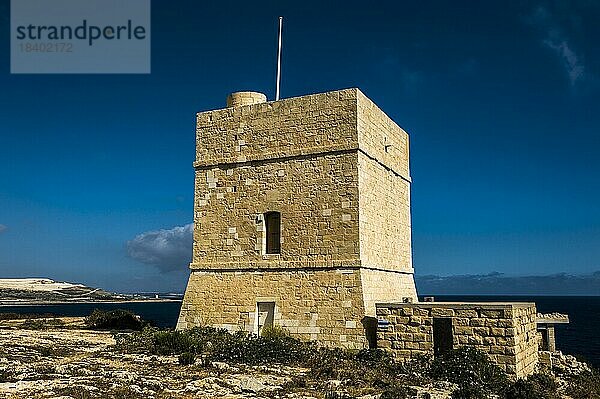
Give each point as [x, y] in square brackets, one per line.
[241, 98]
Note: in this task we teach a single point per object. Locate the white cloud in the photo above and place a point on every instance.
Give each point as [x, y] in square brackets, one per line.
[3, 228]
[168, 249]
[572, 63]
[556, 37]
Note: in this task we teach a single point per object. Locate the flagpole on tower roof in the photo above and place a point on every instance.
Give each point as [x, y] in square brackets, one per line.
[279, 59]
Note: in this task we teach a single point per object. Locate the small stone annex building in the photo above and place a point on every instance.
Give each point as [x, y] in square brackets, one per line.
[302, 220]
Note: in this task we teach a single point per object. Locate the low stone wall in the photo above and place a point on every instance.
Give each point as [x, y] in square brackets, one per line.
[505, 331]
[560, 364]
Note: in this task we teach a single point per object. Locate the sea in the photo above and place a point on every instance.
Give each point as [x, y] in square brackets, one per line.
[579, 338]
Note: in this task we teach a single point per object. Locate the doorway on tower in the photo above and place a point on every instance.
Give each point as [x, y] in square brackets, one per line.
[265, 313]
[442, 335]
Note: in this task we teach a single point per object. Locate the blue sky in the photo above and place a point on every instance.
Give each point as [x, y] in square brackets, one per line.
[501, 101]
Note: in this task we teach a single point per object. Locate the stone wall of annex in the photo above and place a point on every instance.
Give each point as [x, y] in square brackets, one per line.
[506, 332]
[526, 338]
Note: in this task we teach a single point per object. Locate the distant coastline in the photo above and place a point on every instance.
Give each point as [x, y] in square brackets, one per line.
[8, 303]
[494, 284]
[44, 291]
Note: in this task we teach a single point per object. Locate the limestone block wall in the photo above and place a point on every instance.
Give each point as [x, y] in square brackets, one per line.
[385, 286]
[384, 207]
[384, 214]
[504, 331]
[526, 338]
[381, 138]
[312, 124]
[321, 305]
[245, 98]
[309, 156]
[336, 169]
[296, 156]
[316, 196]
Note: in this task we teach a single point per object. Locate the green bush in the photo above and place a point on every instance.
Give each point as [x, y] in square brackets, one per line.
[476, 376]
[418, 369]
[173, 343]
[337, 395]
[41, 324]
[522, 389]
[543, 382]
[536, 386]
[471, 369]
[469, 392]
[186, 358]
[585, 385]
[20, 316]
[75, 392]
[398, 392]
[137, 342]
[6, 375]
[373, 356]
[218, 345]
[118, 319]
[363, 368]
[275, 332]
[366, 368]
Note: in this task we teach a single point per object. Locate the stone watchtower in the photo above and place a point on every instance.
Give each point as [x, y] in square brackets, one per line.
[301, 217]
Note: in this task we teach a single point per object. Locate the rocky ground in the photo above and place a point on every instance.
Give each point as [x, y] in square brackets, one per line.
[67, 361]
[57, 358]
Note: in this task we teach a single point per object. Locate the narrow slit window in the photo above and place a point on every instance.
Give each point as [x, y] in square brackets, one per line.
[273, 224]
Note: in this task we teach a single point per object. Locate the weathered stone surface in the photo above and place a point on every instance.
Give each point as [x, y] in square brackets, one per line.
[505, 331]
[337, 169]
